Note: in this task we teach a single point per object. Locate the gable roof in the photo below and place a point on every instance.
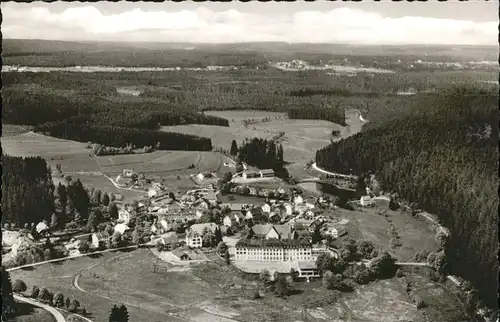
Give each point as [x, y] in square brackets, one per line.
[267, 171]
[261, 229]
[285, 231]
[179, 253]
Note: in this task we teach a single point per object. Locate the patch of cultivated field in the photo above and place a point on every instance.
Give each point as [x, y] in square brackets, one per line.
[381, 301]
[163, 163]
[442, 304]
[367, 224]
[11, 130]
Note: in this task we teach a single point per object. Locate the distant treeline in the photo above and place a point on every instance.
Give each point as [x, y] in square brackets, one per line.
[332, 114]
[444, 158]
[79, 129]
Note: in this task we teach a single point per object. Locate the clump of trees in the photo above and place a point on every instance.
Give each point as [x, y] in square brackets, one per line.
[119, 314]
[80, 130]
[263, 154]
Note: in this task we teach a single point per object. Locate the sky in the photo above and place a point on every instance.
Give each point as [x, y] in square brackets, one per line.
[373, 23]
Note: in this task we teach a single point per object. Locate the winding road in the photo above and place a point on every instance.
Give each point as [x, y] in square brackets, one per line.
[57, 315]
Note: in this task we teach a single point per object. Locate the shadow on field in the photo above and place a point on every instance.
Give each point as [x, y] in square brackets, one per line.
[29, 268]
[296, 292]
[24, 309]
[98, 255]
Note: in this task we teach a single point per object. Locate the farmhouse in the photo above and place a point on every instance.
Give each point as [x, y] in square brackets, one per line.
[121, 228]
[194, 236]
[181, 255]
[307, 269]
[298, 200]
[335, 231]
[266, 208]
[273, 250]
[124, 216]
[366, 201]
[127, 173]
[41, 228]
[152, 193]
[250, 175]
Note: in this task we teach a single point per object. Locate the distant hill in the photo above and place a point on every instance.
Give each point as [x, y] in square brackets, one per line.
[12, 47]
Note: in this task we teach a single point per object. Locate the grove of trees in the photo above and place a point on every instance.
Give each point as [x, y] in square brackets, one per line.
[263, 154]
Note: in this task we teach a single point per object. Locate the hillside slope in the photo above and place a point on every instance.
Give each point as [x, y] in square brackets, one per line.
[444, 157]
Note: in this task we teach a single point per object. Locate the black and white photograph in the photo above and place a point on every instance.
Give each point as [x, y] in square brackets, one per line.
[318, 161]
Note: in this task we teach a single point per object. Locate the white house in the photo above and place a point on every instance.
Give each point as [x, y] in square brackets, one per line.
[194, 236]
[124, 216]
[248, 215]
[121, 228]
[298, 200]
[288, 209]
[41, 227]
[152, 193]
[228, 220]
[128, 173]
[266, 208]
[335, 231]
[366, 201]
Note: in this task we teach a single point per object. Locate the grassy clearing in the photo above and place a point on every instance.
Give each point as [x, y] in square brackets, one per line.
[30, 313]
[12, 130]
[367, 224]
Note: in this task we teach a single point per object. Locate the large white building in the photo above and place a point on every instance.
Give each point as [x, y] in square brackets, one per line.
[194, 236]
[274, 250]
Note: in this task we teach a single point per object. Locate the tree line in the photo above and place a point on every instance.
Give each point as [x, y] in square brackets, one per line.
[442, 158]
[79, 130]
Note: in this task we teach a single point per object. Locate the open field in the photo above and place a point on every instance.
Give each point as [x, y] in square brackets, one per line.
[163, 163]
[366, 224]
[11, 130]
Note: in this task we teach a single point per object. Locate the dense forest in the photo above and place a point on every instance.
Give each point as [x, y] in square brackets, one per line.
[443, 157]
[25, 108]
[79, 129]
[332, 114]
[27, 190]
[263, 154]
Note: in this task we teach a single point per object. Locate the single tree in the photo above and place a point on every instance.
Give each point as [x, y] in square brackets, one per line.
[113, 210]
[234, 148]
[43, 295]
[84, 247]
[265, 277]
[293, 274]
[221, 247]
[365, 248]
[282, 287]
[74, 305]
[35, 291]
[59, 300]
[123, 313]
[8, 303]
[67, 303]
[105, 199]
[54, 221]
[19, 286]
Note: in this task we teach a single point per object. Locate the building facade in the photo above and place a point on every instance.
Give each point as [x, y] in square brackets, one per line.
[274, 251]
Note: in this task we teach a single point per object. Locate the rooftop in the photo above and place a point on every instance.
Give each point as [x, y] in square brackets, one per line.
[272, 243]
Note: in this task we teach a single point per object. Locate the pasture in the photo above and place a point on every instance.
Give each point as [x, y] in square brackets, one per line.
[367, 224]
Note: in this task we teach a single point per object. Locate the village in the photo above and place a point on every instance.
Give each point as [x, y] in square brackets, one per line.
[262, 222]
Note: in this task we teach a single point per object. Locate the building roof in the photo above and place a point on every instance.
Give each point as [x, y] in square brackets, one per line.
[261, 229]
[233, 206]
[285, 231]
[41, 226]
[199, 228]
[179, 253]
[267, 171]
[170, 238]
[272, 243]
[121, 228]
[102, 235]
[307, 265]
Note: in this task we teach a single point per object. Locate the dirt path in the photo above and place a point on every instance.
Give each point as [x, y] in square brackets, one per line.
[57, 315]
